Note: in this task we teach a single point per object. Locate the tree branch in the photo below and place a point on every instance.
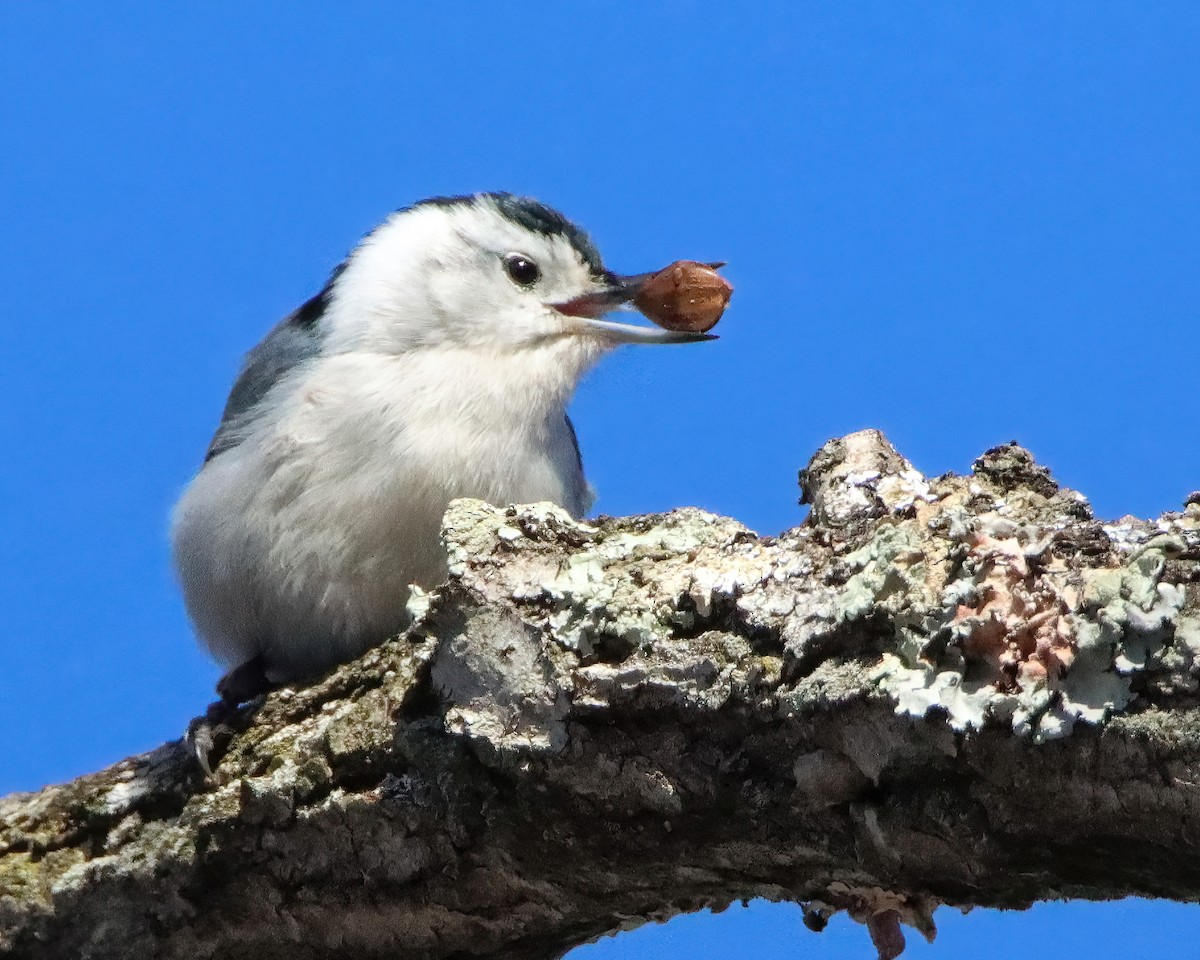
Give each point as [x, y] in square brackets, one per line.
[962, 691]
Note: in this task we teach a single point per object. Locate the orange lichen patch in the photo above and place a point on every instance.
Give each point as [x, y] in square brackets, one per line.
[1017, 624]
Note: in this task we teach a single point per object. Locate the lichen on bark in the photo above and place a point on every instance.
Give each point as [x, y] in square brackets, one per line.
[964, 690]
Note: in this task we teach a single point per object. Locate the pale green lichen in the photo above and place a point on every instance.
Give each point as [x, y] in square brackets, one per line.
[585, 597]
[1187, 634]
[918, 690]
[589, 591]
[1124, 622]
[890, 570]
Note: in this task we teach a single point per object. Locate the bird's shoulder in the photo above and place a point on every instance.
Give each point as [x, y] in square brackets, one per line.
[294, 340]
[580, 492]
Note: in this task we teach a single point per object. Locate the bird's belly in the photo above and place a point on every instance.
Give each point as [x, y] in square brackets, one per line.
[305, 553]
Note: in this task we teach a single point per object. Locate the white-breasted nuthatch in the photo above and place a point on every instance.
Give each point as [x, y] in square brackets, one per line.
[436, 363]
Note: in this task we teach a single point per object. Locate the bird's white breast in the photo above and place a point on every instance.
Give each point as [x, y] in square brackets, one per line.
[299, 543]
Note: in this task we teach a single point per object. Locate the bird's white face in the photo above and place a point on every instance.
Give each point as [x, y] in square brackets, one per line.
[471, 275]
[496, 282]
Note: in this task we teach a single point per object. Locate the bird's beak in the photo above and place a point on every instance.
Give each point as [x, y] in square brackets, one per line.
[587, 310]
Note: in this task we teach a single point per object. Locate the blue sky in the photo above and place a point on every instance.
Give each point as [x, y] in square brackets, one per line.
[962, 223]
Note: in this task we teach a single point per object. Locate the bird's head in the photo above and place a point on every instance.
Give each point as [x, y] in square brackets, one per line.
[490, 271]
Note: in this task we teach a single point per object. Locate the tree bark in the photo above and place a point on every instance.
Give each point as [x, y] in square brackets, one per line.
[963, 691]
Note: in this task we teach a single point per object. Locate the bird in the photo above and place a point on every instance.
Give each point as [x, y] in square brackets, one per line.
[437, 362]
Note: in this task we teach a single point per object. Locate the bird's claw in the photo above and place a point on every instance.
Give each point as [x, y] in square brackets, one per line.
[239, 685]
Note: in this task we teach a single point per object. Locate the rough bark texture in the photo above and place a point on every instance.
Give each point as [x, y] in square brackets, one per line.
[963, 691]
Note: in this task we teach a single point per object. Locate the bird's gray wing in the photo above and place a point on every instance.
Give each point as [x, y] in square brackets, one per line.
[581, 493]
[574, 443]
[291, 342]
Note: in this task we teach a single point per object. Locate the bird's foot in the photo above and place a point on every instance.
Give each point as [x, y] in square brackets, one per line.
[244, 683]
[208, 735]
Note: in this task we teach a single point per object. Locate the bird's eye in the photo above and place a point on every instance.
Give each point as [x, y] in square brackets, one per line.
[522, 270]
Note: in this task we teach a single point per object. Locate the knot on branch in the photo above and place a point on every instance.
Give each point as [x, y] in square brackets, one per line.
[859, 478]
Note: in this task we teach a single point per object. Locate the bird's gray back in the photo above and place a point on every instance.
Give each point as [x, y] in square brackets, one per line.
[294, 340]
